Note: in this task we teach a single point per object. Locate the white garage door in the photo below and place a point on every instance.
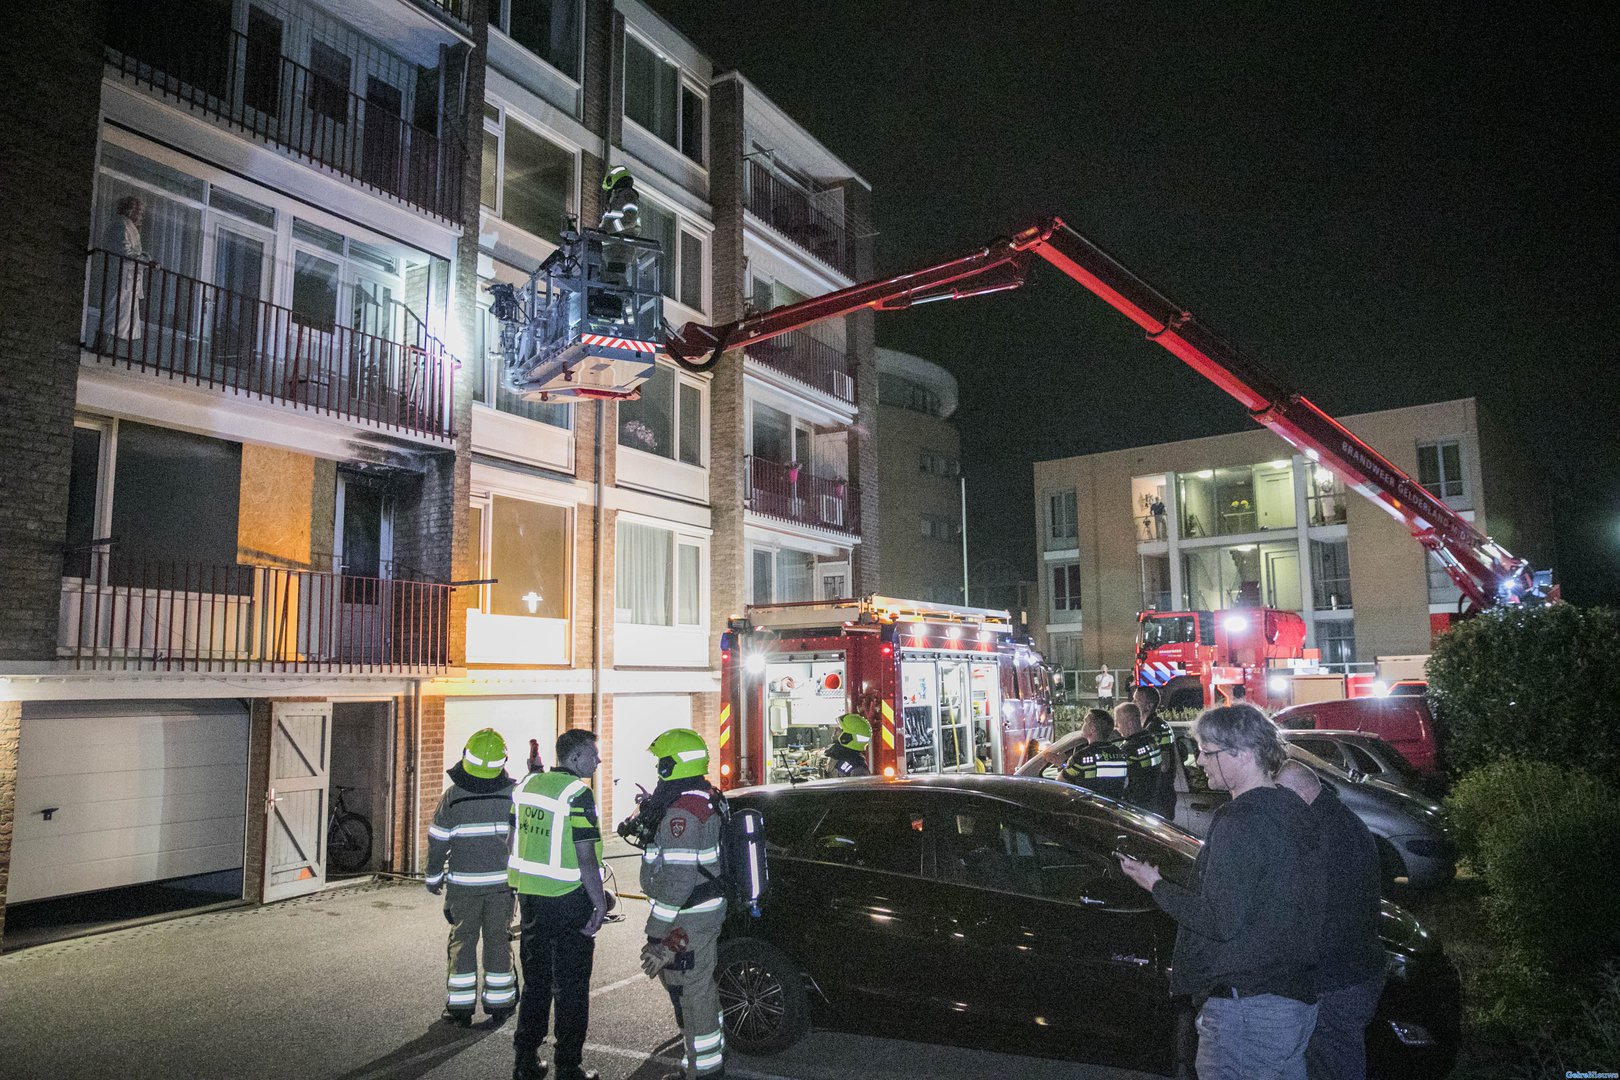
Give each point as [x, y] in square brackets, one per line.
[141, 790]
[517, 719]
[638, 719]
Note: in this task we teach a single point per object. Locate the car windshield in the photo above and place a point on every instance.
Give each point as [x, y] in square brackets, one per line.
[1168, 630]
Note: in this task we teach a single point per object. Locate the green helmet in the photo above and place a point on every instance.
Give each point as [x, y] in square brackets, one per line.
[614, 176]
[485, 755]
[854, 731]
[681, 752]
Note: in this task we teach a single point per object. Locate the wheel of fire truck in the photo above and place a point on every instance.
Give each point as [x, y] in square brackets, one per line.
[1182, 692]
[763, 1000]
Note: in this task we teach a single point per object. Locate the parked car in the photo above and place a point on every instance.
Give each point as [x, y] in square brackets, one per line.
[1403, 721]
[1367, 756]
[987, 911]
[1409, 688]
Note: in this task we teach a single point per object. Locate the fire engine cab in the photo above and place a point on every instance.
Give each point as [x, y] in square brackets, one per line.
[1198, 658]
[945, 688]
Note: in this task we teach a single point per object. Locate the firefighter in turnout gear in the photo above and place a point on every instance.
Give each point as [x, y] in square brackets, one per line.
[1098, 764]
[620, 214]
[469, 832]
[847, 755]
[1142, 758]
[1147, 700]
[682, 824]
[556, 868]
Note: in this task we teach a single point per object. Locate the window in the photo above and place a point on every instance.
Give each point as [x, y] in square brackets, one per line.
[1330, 574]
[1325, 498]
[667, 420]
[937, 464]
[1337, 640]
[1242, 575]
[1440, 470]
[537, 181]
[683, 254]
[656, 98]
[985, 850]
[657, 577]
[690, 271]
[489, 386]
[261, 77]
[175, 497]
[1442, 590]
[548, 28]
[869, 834]
[1062, 523]
[530, 549]
[936, 528]
[84, 501]
[794, 575]
[772, 432]
[1156, 583]
[330, 78]
[1066, 587]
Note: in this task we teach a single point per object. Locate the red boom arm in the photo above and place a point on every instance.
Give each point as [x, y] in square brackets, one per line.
[1487, 575]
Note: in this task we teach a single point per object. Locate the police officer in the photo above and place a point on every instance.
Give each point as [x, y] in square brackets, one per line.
[1147, 700]
[620, 213]
[555, 866]
[1097, 764]
[1141, 751]
[469, 832]
[847, 755]
[682, 825]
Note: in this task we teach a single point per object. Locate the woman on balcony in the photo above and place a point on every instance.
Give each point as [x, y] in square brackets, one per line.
[124, 241]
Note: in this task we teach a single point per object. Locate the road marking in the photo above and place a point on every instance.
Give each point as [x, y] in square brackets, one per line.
[610, 987]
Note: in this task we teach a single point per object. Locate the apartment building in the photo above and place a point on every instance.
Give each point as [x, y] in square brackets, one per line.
[920, 467]
[277, 531]
[1239, 521]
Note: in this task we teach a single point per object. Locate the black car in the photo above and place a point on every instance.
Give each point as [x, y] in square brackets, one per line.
[987, 911]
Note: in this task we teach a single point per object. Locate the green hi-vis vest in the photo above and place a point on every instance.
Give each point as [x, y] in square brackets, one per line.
[543, 860]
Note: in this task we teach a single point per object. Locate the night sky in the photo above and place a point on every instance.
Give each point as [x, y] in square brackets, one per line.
[1385, 205]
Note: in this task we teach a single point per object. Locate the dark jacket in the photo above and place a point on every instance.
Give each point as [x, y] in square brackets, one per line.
[843, 761]
[1351, 951]
[471, 830]
[1142, 758]
[1251, 916]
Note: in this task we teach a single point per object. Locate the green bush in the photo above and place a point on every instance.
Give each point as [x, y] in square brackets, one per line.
[1591, 1040]
[1506, 789]
[1066, 718]
[1540, 684]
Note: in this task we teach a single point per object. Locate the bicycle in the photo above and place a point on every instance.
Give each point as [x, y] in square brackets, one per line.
[348, 835]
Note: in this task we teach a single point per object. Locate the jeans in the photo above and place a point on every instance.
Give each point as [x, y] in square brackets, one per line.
[1253, 1038]
[1338, 1046]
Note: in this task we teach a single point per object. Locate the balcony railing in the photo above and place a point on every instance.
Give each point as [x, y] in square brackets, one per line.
[145, 317]
[456, 9]
[807, 360]
[136, 615]
[821, 228]
[246, 83]
[791, 493]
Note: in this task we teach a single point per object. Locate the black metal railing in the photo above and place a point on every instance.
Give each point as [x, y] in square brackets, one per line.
[143, 615]
[807, 360]
[146, 317]
[245, 82]
[458, 10]
[791, 493]
[807, 219]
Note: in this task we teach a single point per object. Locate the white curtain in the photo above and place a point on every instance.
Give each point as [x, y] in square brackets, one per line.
[642, 573]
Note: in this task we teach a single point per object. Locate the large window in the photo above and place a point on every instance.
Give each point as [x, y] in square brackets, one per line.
[1337, 640]
[782, 575]
[667, 420]
[1442, 590]
[548, 28]
[530, 549]
[1066, 587]
[488, 379]
[1061, 522]
[683, 254]
[657, 98]
[1237, 500]
[1147, 507]
[536, 186]
[1156, 583]
[658, 577]
[1242, 575]
[1440, 471]
[1330, 574]
[1325, 497]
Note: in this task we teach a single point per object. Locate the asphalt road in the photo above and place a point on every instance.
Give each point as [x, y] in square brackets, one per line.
[347, 985]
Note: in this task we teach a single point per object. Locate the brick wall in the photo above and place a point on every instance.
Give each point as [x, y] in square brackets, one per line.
[430, 741]
[260, 716]
[10, 731]
[48, 122]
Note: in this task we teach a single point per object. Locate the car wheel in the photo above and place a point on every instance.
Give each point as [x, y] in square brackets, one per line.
[1390, 863]
[762, 997]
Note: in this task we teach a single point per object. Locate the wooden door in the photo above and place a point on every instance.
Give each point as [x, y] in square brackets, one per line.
[296, 804]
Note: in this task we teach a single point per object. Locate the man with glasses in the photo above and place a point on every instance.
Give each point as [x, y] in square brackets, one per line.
[1250, 918]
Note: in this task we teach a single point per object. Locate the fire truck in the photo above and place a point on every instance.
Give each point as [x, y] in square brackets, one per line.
[1198, 658]
[945, 688]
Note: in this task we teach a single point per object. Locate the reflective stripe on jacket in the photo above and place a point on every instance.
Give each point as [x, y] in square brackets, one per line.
[680, 869]
[547, 809]
[467, 839]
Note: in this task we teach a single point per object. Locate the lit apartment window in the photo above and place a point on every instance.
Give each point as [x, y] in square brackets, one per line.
[1061, 520]
[548, 28]
[528, 180]
[657, 98]
[1440, 471]
[528, 551]
[667, 420]
[658, 577]
[1066, 587]
[1330, 574]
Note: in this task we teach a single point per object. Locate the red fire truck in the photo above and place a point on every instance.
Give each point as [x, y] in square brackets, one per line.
[946, 689]
[1197, 658]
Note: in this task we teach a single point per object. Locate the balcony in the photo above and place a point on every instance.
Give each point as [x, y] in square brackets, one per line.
[144, 317]
[459, 11]
[810, 219]
[244, 82]
[805, 359]
[790, 493]
[134, 615]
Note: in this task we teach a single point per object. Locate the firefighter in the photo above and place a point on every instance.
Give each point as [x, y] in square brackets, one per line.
[1147, 700]
[620, 215]
[1098, 764]
[847, 755]
[469, 832]
[1141, 751]
[555, 866]
[680, 873]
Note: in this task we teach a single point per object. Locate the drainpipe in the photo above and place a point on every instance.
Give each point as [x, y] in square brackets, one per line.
[413, 777]
[596, 581]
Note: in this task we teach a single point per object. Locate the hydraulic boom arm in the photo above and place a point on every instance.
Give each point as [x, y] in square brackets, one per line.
[1487, 575]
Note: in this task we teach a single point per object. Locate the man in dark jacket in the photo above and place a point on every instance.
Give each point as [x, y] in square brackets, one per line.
[1146, 699]
[1250, 919]
[1142, 757]
[1098, 764]
[1351, 962]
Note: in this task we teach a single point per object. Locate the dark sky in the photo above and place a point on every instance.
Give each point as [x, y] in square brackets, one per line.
[1386, 205]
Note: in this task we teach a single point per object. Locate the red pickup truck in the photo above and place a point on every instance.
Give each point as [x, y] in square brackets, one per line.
[1402, 721]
